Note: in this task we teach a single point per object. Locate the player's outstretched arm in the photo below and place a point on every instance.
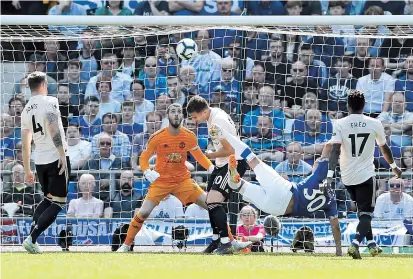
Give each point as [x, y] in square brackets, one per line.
[225, 152]
[202, 159]
[388, 156]
[26, 146]
[332, 161]
[150, 175]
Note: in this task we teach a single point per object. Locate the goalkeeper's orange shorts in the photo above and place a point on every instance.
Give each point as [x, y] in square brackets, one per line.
[187, 191]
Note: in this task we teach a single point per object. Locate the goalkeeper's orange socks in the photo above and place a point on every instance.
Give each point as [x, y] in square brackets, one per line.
[231, 237]
[135, 226]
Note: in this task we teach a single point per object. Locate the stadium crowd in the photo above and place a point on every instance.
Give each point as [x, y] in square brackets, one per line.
[283, 91]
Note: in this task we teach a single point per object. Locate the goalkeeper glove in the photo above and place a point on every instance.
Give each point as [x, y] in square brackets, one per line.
[151, 175]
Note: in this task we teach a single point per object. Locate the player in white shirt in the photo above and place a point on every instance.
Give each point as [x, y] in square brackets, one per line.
[354, 139]
[41, 121]
[218, 189]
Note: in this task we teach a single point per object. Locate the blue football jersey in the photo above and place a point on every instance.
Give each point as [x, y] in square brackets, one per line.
[309, 200]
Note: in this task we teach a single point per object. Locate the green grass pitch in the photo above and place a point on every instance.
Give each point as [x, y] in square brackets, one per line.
[190, 265]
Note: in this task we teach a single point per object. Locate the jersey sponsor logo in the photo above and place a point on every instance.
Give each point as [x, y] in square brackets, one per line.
[182, 145]
[174, 157]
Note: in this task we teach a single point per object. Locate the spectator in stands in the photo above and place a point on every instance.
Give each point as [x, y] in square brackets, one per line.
[167, 58]
[149, 8]
[186, 7]
[142, 105]
[405, 83]
[105, 159]
[206, 63]
[234, 52]
[390, 7]
[292, 44]
[126, 201]
[55, 59]
[88, 55]
[106, 103]
[266, 7]
[380, 31]
[298, 84]
[316, 68]
[16, 106]
[408, 10]
[187, 81]
[250, 98]
[78, 150]
[67, 110]
[313, 137]
[395, 204]
[113, 8]
[398, 122]
[153, 123]
[7, 139]
[311, 7]
[127, 124]
[276, 66]
[338, 8]
[249, 230]
[120, 82]
[155, 83]
[36, 62]
[169, 208]
[219, 100]
[270, 106]
[326, 49]
[191, 125]
[161, 105]
[128, 65]
[89, 122]
[293, 8]
[294, 167]
[267, 145]
[361, 57]
[256, 45]
[175, 92]
[7, 175]
[87, 206]
[67, 8]
[407, 158]
[309, 101]
[227, 83]
[121, 147]
[77, 85]
[333, 96]
[21, 193]
[395, 50]
[258, 75]
[376, 87]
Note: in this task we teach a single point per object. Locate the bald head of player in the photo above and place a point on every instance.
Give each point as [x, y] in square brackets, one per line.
[37, 82]
[355, 102]
[175, 115]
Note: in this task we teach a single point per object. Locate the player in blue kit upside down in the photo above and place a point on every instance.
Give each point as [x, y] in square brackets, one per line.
[278, 196]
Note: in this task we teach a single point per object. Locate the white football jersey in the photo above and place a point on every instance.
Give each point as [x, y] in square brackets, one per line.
[34, 118]
[220, 117]
[357, 134]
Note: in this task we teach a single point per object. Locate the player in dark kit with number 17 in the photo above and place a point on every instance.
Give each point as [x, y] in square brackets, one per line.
[41, 122]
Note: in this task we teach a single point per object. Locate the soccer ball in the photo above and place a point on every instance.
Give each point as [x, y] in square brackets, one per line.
[186, 49]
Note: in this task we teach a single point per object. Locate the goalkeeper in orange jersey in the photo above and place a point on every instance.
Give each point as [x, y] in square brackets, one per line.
[170, 176]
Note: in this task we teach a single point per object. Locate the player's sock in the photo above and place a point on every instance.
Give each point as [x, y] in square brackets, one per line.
[215, 233]
[134, 228]
[217, 212]
[369, 236]
[215, 236]
[40, 208]
[363, 227]
[241, 149]
[46, 219]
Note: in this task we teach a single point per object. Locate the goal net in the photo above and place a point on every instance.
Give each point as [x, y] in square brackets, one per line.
[283, 82]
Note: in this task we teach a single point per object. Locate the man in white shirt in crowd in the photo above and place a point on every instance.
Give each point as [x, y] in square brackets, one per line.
[394, 205]
[398, 122]
[170, 208]
[86, 206]
[78, 150]
[376, 87]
